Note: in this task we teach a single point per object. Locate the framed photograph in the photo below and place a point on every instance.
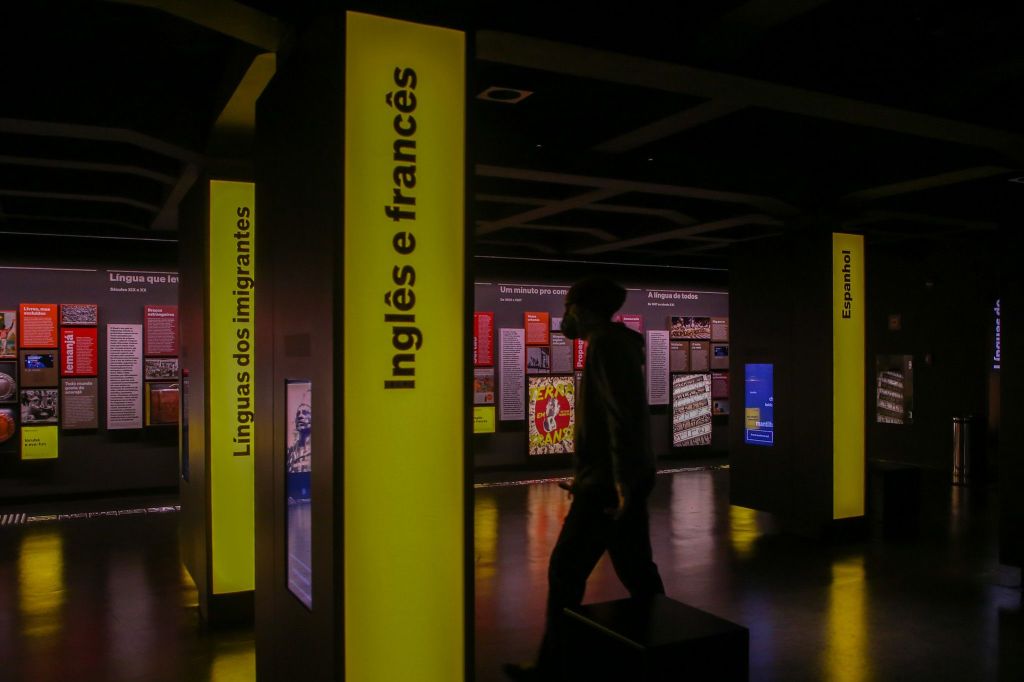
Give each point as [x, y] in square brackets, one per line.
[78, 314]
[551, 416]
[8, 382]
[299, 488]
[8, 333]
[691, 410]
[538, 360]
[157, 369]
[39, 406]
[690, 327]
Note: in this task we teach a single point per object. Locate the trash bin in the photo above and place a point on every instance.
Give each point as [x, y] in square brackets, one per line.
[962, 450]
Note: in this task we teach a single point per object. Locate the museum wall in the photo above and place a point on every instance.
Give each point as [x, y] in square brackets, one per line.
[507, 290]
[120, 278]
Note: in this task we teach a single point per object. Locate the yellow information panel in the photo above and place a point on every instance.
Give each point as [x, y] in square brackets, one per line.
[483, 419]
[847, 375]
[404, 351]
[39, 442]
[231, 373]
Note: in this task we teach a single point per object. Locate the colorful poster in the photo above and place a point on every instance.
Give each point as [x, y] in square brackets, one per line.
[690, 327]
[39, 442]
[691, 410]
[38, 325]
[759, 404]
[657, 367]
[38, 368]
[483, 386]
[538, 328]
[79, 409]
[162, 403]
[78, 314]
[8, 334]
[552, 408]
[538, 360]
[78, 352]
[39, 406]
[512, 355]
[894, 392]
[483, 419]
[160, 369]
[8, 382]
[161, 332]
[483, 339]
[124, 376]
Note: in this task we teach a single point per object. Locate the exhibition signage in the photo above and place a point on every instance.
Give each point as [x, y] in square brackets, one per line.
[39, 442]
[759, 404]
[483, 339]
[78, 352]
[38, 325]
[124, 376]
[161, 330]
[512, 354]
[538, 328]
[78, 404]
[847, 375]
[483, 419]
[231, 365]
[404, 238]
[657, 367]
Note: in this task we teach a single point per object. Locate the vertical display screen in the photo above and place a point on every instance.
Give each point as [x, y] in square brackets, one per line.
[759, 406]
[298, 470]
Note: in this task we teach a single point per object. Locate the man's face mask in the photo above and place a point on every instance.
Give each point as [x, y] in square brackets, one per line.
[570, 323]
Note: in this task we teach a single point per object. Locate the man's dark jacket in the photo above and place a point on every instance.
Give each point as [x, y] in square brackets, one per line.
[612, 435]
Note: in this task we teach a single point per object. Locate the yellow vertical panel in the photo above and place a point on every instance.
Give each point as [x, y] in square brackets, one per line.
[404, 351]
[231, 370]
[847, 376]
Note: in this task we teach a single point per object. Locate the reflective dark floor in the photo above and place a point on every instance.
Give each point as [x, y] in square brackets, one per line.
[105, 598]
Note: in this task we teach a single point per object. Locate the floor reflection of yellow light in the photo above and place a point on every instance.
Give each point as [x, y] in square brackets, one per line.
[846, 654]
[485, 536]
[41, 583]
[743, 532]
[234, 666]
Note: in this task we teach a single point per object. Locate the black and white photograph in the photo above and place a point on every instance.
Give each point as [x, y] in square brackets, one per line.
[538, 360]
[78, 314]
[39, 406]
[157, 369]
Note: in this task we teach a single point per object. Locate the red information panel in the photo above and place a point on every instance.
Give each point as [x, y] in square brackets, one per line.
[634, 322]
[38, 325]
[161, 330]
[579, 353]
[719, 384]
[78, 352]
[483, 339]
[538, 328]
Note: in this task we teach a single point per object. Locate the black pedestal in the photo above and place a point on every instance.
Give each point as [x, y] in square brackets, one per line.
[652, 640]
[894, 497]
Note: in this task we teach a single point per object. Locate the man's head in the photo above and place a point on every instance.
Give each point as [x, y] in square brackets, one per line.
[590, 303]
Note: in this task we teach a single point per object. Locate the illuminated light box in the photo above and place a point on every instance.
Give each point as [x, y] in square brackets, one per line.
[759, 404]
[894, 389]
[691, 410]
[551, 401]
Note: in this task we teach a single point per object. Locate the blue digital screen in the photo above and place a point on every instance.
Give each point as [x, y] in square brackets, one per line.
[759, 412]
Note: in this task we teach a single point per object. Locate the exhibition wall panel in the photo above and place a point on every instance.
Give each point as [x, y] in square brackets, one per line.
[76, 390]
[681, 313]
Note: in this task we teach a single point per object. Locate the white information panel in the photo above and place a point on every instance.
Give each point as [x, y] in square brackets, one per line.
[124, 376]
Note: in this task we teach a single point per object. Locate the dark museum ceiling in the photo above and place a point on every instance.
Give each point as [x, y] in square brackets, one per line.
[653, 134]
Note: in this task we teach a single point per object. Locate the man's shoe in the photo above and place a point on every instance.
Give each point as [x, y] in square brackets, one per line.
[523, 672]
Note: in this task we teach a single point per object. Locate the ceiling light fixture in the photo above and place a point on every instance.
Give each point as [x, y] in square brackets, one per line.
[504, 95]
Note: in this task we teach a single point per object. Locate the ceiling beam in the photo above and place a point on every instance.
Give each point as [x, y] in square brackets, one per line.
[88, 198]
[871, 217]
[596, 233]
[667, 213]
[670, 125]
[231, 18]
[64, 164]
[930, 182]
[98, 133]
[167, 217]
[682, 232]
[571, 60]
[766, 204]
[489, 226]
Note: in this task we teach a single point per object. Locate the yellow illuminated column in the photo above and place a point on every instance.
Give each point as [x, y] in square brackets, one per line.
[847, 375]
[404, 351]
[231, 364]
